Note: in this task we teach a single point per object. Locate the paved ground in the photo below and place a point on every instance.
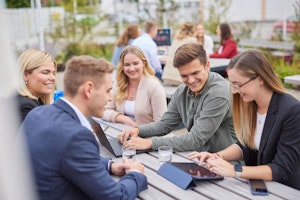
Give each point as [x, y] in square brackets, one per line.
[295, 93]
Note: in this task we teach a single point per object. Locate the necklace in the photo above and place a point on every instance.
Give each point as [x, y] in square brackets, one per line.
[131, 93]
[261, 118]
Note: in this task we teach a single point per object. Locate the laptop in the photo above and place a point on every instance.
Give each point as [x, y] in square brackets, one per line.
[111, 144]
[163, 37]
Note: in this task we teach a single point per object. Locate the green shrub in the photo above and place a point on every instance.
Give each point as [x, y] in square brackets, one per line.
[92, 49]
[284, 68]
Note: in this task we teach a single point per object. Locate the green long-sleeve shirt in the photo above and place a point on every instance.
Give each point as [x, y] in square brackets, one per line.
[207, 117]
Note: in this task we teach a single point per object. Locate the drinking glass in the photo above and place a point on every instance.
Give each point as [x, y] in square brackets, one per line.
[165, 154]
[129, 153]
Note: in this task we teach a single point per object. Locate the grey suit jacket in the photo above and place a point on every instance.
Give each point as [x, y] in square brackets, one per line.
[280, 142]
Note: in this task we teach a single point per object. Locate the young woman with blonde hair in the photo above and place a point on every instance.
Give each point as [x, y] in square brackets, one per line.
[138, 96]
[36, 81]
[266, 121]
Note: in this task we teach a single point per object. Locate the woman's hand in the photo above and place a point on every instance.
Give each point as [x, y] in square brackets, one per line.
[219, 166]
[201, 156]
[125, 120]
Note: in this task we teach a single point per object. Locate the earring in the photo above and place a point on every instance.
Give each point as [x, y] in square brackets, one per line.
[26, 82]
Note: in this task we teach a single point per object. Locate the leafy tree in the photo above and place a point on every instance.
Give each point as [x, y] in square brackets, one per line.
[217, 10]
[17, 3]
[168, 7]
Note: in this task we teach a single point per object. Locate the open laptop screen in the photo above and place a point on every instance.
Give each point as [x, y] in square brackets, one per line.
[112, 144]
[163, 37]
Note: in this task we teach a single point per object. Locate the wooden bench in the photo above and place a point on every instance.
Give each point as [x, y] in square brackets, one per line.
[283, 50]
[294, 80]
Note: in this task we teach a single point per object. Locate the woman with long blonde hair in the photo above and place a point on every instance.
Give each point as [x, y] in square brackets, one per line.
[138, 96]
[266, 121]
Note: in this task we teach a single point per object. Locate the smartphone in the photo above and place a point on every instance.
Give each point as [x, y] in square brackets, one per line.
[258, 187]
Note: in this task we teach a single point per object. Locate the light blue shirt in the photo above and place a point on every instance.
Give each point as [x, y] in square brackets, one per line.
[149, 47]
[117, 52]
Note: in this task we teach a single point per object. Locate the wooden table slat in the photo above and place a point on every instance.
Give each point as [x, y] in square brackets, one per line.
[161, 188]
[169, 188]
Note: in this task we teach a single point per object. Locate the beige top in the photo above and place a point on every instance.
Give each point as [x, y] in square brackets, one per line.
[150, 102]
[170, 74]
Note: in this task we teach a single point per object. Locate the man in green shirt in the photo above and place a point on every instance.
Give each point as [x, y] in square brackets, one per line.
[202, 104]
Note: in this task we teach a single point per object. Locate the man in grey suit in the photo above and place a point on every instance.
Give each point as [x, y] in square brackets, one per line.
[64, 151]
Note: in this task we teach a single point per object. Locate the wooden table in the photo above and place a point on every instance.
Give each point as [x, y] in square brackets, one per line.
[161, 189]
[295, 79]
[169, 91]
[219, 65]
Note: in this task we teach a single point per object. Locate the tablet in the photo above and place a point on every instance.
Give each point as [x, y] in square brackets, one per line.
[197, 172]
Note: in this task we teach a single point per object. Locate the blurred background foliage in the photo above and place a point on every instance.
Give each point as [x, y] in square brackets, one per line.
[92, 49]
[77, 29]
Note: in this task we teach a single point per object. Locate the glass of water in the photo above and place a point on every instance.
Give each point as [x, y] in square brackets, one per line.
[165, 154]
[129, 152]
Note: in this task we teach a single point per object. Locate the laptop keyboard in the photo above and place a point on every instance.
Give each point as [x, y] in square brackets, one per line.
[117, 147]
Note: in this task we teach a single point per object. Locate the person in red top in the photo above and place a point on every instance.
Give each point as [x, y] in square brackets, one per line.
[228, 47]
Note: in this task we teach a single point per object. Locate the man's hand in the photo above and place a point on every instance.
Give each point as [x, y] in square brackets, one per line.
[118, 168]
[138, 143]
[131, 165]
[122, 137]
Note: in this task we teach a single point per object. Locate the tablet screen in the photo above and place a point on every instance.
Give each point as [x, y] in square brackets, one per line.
[197, 171]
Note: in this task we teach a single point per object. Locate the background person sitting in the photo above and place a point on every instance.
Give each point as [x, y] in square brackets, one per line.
[227, 47]
[186, 34]
[206, 41]
[36, 80]
[138, 96]
[132, 31]
[149, 47]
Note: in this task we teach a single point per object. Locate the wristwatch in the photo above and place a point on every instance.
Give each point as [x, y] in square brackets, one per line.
[238, 170]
